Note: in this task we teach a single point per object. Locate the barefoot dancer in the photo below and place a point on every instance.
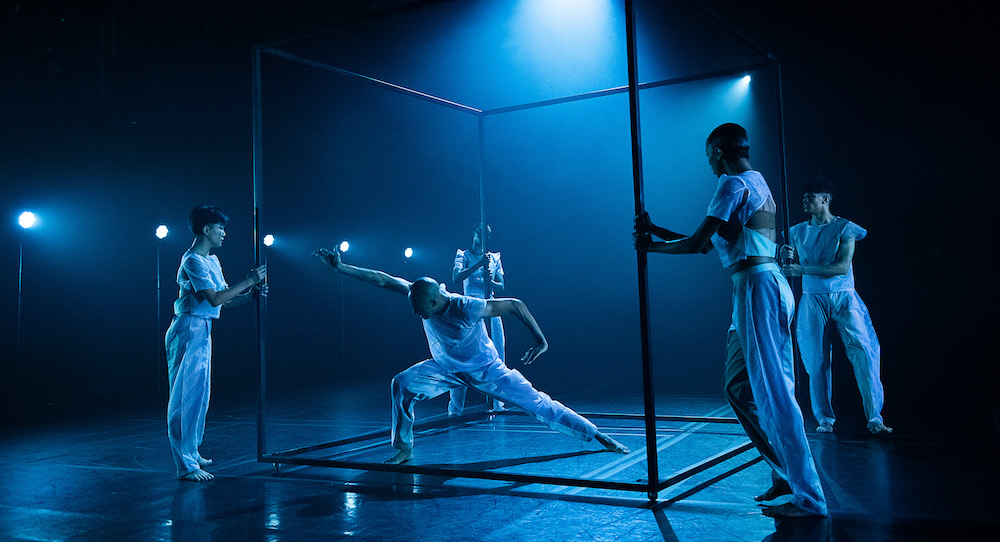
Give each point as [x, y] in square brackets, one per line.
[759, 379]
[203, 291]
[824, 247]
[462, 354]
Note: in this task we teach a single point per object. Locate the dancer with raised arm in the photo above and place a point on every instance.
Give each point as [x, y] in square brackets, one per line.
[462, 354]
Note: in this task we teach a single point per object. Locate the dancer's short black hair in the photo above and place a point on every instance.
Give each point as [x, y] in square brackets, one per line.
[423, 287]
[203, 215]
[732, 139]
[820, 185]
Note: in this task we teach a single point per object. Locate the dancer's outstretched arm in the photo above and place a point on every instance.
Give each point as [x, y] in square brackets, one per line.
[698, 243]
[371, 276]
[500, 307]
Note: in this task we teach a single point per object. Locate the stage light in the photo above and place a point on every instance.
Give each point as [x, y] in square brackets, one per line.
[408, 252]
[736, 93]
[27, 219]
[741, 86]
[268, 240]
[161, 233]
[344, 246]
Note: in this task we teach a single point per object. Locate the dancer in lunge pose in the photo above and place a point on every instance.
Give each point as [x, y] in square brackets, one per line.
[462, 354]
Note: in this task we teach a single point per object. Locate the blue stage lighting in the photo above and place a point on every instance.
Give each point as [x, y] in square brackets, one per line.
[408, 252]
[27, 219]
[344, 246]
[737, 92]
[162, 231]
[268, 240]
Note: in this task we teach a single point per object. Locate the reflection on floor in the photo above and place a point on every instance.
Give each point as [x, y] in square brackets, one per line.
[110, 477]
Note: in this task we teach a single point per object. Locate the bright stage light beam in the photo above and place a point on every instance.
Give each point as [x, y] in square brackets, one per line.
[408, 253]
[27, 220]
[162, 231]
[344, 246]
[736, 94]
[741, 87]
[268, 240]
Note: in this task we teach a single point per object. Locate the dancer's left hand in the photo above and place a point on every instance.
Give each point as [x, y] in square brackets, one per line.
[533, 353]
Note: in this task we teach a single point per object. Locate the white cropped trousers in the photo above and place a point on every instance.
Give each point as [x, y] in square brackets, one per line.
[844, 311]
[189, 370]
[429, 379]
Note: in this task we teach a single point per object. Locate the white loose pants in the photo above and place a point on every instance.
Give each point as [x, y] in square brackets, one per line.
[189, 369]
[456, 403]
[428, 379]
[845, 311]
[763, 307]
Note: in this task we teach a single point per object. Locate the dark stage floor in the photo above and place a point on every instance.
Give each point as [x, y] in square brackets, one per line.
[110, 477]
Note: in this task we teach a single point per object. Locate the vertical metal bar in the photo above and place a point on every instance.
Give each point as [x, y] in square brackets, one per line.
[649, 407]
[257, 180]
[488, 285]
[782, 180]
[156, 343]
[17, 355]
[783, 186]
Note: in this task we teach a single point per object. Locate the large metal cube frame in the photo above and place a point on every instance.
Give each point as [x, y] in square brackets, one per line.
[654, 484]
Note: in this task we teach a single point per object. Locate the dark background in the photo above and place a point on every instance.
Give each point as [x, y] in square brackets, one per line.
[120, 116]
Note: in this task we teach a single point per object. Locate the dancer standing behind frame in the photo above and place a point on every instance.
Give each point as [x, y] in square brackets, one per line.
[759, 372]
[469, 270]
[824, 248]
[203, 292]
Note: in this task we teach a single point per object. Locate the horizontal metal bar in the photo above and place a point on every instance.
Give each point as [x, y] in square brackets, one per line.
[520, 478]
[714, 479]
[708, 75]
[459, 473]
[659, 418]
[704, 465]
[371, 80]
[443, 420]
[624, 89]
[440, 420]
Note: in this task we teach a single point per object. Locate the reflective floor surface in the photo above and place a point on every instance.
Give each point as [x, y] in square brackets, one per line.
[106, 476]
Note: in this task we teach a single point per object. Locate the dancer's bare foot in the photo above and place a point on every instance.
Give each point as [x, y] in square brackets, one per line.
[198, 475]
[776, 490]
[787, 510]
[202, 462]
[824, 428]
[612, 445]
[879, 428]
[402, 456]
